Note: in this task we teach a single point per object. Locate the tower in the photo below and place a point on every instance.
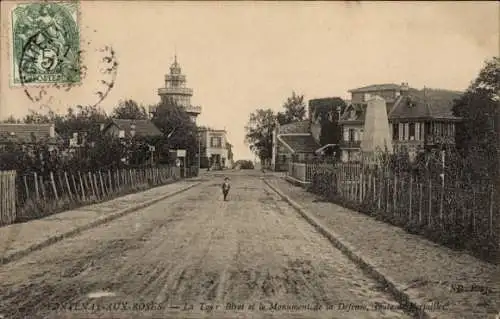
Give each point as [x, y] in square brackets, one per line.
[176, 90]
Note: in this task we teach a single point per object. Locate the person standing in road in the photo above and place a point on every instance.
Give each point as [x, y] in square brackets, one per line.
[225, 188]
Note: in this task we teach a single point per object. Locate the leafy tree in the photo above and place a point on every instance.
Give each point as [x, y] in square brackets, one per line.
[179, 132]
[477, 135]
[259, 133]
[81, 119]
[295, 110]
[327, 109]
[229, 148]
[129, 110]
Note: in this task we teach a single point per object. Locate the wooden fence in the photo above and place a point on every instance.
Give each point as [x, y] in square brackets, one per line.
[423, 201]
[33, 190]
[7, 197]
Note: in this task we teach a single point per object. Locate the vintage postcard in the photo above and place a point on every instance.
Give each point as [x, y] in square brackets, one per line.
[249, 159]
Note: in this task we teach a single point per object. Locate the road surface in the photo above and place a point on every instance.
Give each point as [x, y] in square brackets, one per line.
[209, 258]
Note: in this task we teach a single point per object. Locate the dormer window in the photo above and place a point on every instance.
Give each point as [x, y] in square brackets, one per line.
[410, 102]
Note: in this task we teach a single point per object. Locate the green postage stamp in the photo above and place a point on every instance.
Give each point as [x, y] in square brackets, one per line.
[45, 43]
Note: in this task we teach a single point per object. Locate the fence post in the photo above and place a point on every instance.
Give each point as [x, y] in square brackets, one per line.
[94, 190]
[395, 195]
[430, 202]
[43, 187]
[26, 187]
[441, 200]
[131, 178]
[420, 195]
[491, 209]
[102, 183]
[74, 185]
[473, 210]
[81, 185]
[52, 181]
[37, 192]
[361, 188]
[67, 185]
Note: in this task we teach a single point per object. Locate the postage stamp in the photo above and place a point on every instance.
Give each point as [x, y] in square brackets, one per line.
[45, 43]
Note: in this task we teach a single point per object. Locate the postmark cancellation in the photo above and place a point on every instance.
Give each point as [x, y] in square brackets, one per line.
[45, 43]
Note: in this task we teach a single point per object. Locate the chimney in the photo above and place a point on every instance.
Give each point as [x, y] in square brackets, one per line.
[404, 88]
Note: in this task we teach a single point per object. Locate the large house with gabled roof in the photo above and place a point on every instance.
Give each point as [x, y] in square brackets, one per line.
[419, 119]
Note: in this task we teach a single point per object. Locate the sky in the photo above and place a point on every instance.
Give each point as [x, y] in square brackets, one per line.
[241, 56]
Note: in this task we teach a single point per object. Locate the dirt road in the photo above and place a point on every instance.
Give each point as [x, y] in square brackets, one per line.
[210, 258]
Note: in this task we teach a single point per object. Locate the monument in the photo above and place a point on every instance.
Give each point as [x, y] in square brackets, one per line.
[376, 138]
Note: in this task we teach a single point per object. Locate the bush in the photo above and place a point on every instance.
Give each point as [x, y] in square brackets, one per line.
[243, 164]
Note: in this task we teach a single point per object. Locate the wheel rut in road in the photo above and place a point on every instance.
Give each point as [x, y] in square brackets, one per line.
[194, 250]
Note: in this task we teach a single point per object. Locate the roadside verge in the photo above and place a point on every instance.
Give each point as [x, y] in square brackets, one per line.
[364, 262]
[38, 234]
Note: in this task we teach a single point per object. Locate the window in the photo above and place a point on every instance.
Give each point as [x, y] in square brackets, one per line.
[352, 135]
[412, 131]
[395, 131]
[121, 134]
[216, 141]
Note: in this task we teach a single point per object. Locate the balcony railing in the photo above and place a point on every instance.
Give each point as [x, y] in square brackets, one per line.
[436, 139]
[350, 144]
[176, 77]
[193, 109]
[173, 91]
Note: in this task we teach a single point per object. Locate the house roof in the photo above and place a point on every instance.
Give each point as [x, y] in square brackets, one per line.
[296, 127]
[376, 87]
[28, 133]
[301, 143]
[427, 103]
[142, 127]
[359, 113]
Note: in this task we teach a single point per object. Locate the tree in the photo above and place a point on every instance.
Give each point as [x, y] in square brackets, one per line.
[295, 110]
[129, 110]
[477, 135]
[259, 133]
[230, 154]
[179, 132]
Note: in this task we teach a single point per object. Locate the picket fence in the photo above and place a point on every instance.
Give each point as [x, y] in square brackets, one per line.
[410, 199]
[7, 197]
[20, 190]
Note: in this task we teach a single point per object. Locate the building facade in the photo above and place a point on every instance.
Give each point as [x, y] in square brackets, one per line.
[418, 119]
[214, 149]
[175, 89]
[292, 142]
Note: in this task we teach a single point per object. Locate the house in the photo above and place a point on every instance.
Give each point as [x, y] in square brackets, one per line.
[305, 140]
[423, 119]
[418, 119]
[292, 142]
[353, 118]
[213, 148]
[127, 128]
[29, 135]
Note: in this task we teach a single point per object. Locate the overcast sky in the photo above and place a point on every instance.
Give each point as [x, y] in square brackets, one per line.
[246, 55]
